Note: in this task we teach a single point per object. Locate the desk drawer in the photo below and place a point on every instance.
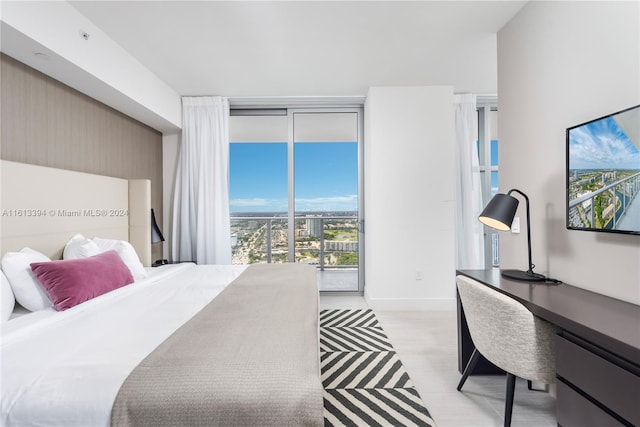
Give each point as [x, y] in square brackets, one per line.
[605, 382]
[573, 410]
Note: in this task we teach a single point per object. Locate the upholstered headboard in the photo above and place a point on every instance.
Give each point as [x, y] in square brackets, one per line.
[42, 208]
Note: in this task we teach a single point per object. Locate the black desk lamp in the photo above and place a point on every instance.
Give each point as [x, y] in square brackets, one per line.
[156, 236]
[499, 214]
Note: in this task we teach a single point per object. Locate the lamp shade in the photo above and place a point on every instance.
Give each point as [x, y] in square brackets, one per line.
[156, 234]
[499, 212]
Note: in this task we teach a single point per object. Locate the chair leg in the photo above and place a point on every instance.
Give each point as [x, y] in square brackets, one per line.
[475, 356]
[508, 405]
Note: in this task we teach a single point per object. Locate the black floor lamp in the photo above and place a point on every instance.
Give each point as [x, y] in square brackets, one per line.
[499, 214]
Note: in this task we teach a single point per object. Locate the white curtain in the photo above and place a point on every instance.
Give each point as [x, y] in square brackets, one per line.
[469, 231]
[201, 224]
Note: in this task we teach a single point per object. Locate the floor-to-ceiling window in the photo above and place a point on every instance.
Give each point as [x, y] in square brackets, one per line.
[488, 159]
[294, 183]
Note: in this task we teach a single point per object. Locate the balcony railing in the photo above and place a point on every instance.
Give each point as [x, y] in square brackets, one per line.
[326, 241]
[582, 210]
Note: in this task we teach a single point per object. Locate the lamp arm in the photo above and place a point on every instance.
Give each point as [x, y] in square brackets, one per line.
[526, 199]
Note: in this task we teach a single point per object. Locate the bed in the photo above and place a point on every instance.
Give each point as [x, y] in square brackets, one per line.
[182, 344]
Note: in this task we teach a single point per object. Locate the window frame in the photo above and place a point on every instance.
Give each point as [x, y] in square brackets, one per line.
[484, 108]
[290, 113]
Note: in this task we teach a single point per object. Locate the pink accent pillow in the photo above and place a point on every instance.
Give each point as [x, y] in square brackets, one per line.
[73, 281]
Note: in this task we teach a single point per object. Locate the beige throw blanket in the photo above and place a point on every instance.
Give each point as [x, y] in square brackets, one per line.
[249, 358]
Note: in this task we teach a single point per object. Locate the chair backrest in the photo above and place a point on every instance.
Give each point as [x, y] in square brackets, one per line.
[506, 333]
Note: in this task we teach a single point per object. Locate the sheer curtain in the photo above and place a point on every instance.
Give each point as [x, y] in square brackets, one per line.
[469, 231]
[201, 224]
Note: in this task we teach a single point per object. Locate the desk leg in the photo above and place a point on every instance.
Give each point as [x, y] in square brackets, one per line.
[466, 347]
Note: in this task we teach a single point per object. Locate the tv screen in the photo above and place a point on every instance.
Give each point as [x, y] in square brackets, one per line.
[603, 173]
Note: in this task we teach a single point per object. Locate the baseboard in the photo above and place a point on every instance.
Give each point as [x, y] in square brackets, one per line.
[410, 304]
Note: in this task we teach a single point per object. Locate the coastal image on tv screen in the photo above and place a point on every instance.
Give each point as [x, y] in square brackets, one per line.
[603, 175]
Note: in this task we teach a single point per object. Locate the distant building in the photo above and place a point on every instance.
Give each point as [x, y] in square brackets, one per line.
[314, 227]
[331, 245]
[609, 176]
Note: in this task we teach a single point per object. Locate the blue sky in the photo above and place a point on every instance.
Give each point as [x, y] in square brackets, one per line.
[494, 162]
[602, 145]
[326, 177]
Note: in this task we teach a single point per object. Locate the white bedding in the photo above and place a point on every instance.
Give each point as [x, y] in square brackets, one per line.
[65, 368]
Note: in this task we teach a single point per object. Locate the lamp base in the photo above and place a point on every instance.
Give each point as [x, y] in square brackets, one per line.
[525, 276]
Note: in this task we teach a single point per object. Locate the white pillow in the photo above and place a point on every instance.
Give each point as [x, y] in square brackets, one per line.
[126, 252]
[8, 301]
[26, 288]
[80, 247]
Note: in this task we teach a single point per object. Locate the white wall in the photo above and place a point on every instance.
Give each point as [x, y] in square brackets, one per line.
[561, 64]
[408, 193]
[97, 67]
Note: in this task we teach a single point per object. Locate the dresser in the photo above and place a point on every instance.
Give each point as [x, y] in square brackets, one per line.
[597, 349]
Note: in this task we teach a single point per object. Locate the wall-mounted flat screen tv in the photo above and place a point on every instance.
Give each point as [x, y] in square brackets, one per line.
[603, 173]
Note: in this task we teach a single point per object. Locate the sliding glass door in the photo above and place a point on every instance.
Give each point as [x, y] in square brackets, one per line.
[326, 197]
[294, 189]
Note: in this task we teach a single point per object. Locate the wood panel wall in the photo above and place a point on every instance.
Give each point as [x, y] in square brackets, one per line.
[45, 122]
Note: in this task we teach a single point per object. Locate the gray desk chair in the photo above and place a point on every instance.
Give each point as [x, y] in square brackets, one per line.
[508, 335]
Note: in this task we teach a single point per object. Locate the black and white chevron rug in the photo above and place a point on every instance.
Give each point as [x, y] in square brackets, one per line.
[364, 382]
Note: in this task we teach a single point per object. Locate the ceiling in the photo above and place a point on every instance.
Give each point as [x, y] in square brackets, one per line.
[307, 48]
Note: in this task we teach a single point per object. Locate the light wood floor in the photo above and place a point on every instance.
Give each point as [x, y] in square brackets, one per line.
[426, 343]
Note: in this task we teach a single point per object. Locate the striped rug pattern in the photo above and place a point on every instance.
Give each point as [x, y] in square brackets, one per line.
[364, 381]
